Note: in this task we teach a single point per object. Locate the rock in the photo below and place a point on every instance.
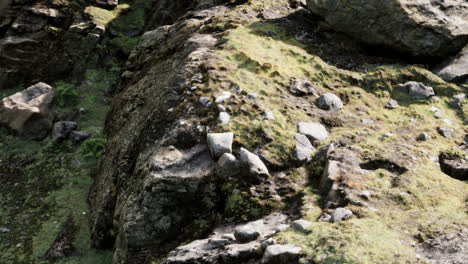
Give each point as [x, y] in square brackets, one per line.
[223, 97]
[254, 164]
[221, 108]
[340, 214]
[268, 116]
[205, 101]
[224, 118]
[220, 143]
[422, 28]
[281, 254]
[329, 101]
[302, 88]
[27, 113]
[4, 230]
[314, 131]
[457, 100]
[455, 69]
[79, 136]
[367, 121]
[392, 104]
[62, 130]
[446, 132]
[455, 166]
[301, 225]
[416, 90]
[248, 232]
[423, 137]
[252, 96]
[228, 166]
[304, 149]
[365, 195]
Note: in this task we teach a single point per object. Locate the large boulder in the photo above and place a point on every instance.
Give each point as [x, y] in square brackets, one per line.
[456, 68]
[27, 113]
[425, 28]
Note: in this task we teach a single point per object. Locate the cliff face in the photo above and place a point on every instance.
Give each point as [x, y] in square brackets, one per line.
[237, 132]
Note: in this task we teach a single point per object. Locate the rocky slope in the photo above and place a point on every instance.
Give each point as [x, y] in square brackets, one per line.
[248, 132]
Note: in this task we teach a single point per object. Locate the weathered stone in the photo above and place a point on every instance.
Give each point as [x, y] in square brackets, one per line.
[367, 121]
[455, 69]
[205, 101]
[268, 115]
[228, 166]
[252, 96]
[220, 143]
[27, 113]
[281, 254]
[314, 131]
[340, 214]
[422, 28]
[423, 137]
[365, 195]
[454, 166]
[392, 104]
[223, 97]
[224, 118]
[457, 100]
[254, 164]
[446, 132]
[416, 90]
[62, 130]
[79, 136]
[301, 225]
[329, 101]
[302, 88]
[248, 232]
[304, 149]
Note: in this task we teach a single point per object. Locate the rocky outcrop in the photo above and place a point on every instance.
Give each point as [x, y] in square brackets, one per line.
[455, 69]
[27, 113]
[422, 28]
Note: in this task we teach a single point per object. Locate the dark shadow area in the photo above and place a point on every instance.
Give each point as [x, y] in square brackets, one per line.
[383, 164]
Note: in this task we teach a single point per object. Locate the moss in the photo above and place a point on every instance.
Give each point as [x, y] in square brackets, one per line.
[102, 17]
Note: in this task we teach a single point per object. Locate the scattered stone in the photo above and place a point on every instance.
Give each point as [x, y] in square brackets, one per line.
[365, 195]
[417, 90]
[341, 214]
[224, 118]
[434, 109]
[301, 225]
[236, 88]
[62, 130]
[446, 132]
[329, 101]
[457, 100]
[392, 104]
[228, 165]
[438, 115]
[223, 97]
[221, 108]
[367, 121]
[281, 254]
[247, 233]
[220, 143]
[205, 101]
[423, 137]
[304, 149]
[268, 116]
[302, 88]
[387, 135]
[79, 136]
[255, 165]
[27, 113]
[314, 131]
[252, 96]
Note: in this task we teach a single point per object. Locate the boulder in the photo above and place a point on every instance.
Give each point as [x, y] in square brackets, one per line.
[27, 113]
[455, 69]
[446, 132]
[457, 100]
[416, 90]
[228, 166]
[220, 143]
[62, 130]
[304, 149]
[302, 88]
[340, 214]
[423, 28]
[329, 101]
[281, 254]
[301, 225]
[248, 232]
[255, 166]
[392, 104]
[422, 137]
[224, 118]
[454, 166]
[314, 131]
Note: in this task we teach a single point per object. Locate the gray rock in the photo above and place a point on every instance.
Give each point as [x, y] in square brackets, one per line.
[329, 101]
[252, 96]
[365, 195]
[248, 232]
[302, 88]
[220, 143]
[223, 97]
[27, 113]
[423, 137]
[340, 214]
[416, 90]
[314, 131]
[268, 116]
[367, 121]
[392, 104]
[281, 254]
[254, 164]
[79, 136]
[446, 132]
[62, 130]
[454, 166]
[205, 101]
[221, 108]
[224, 118]
[228, 166]
[304, 149]
[422, 28]
[457, 100]
[301, 225]
[455, 69]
